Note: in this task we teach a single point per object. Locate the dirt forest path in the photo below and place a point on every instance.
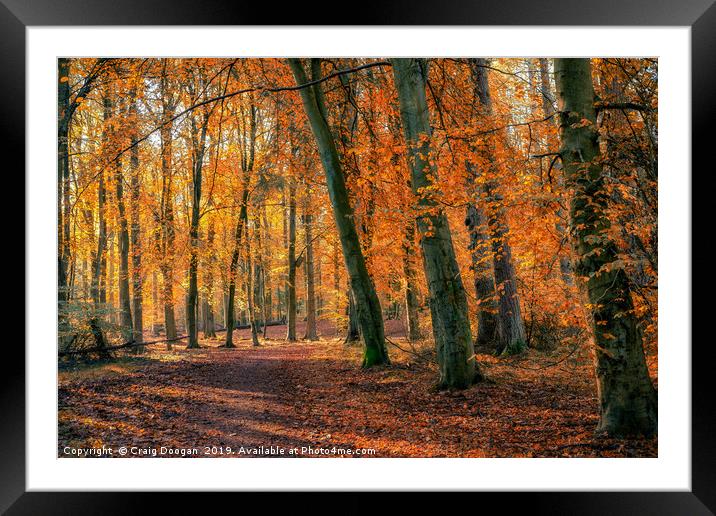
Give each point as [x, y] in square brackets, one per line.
[314, 396]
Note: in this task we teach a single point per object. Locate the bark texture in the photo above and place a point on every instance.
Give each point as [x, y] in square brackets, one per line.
[411, 287]
[483, 277]
[627, 398]
[511, 333]
[448, 301]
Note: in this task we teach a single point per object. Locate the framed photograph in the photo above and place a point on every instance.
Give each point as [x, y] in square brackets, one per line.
[432, 238]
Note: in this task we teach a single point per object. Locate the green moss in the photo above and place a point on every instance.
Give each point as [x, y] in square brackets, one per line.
[514, 348]
[372, 356]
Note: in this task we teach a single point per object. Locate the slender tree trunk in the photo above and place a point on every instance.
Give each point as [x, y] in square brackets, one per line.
[291, 277]
[192, 306]
[311, 333]
[448, 301]
[627, 398]
[98, 269]
[565, 264]
[137, 287]
[113, 253]
[368, 306]
[98, 263]
[63, 174]
[250, 288]
[337, 305]
[124, 300]
[268, 283]
[353, 332]
[411, 287]
[63, 167]
[247, 165]
[209, 326]
[167, 267]
[230, 298]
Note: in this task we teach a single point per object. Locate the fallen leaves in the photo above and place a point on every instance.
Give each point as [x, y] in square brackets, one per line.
[314, 394]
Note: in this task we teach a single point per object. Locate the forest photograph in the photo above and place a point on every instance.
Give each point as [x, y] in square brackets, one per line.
[357, 257]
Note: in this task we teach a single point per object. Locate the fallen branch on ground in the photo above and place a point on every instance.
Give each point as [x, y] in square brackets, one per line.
[134, 343]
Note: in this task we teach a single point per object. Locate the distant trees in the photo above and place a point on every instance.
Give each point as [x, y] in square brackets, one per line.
[236, 186]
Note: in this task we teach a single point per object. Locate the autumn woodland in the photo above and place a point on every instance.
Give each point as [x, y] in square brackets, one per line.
[343, 257]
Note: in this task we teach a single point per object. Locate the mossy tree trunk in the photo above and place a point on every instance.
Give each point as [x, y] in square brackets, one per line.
[448, 301]
[627, 398]
[370, 316]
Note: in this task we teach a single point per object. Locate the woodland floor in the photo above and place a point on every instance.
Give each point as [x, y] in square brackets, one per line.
[314, 394]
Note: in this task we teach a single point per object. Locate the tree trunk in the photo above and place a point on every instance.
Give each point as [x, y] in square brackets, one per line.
[125, 303]
[411, 287]
[63, 202]
[311, 333]
[627, 398]
[448, 302]
[167, 233]
[209, 326]
[137, 287]
[98, 263]
[368, 306]
[109, 269]
[511, 327]
[192, 305]
[565, 264]
[512, 338]
[247, 165]
[483, 278]
[155, 303]
[268, 283]
[353, 332]
[291, 278]
[63, 175]
[230, 298]
[250, 288]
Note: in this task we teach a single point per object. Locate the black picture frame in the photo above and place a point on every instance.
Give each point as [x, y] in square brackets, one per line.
[700, 15]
